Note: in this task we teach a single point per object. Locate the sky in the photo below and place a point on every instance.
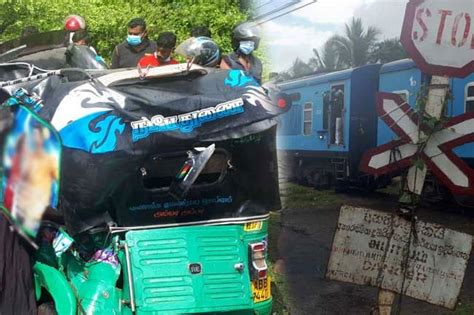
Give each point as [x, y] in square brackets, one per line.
[296, 34]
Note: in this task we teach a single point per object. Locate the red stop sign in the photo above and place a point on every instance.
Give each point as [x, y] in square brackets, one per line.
[439, 36]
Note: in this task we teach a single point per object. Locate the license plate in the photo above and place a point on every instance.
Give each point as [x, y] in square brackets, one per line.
[261, 289]
[253, 226]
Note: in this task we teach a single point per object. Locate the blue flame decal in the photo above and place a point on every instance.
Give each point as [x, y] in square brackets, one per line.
[239, 78]
[92, 134]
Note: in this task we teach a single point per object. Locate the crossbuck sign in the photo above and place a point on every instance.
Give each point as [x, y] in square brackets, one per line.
[436, 152]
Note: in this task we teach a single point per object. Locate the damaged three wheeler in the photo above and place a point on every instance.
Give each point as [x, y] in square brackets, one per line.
[153, 190]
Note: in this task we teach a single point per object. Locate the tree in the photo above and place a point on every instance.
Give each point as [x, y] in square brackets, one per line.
[298, 69]
[327, 60]
[107, 19]
[387, 51]
[354, 48]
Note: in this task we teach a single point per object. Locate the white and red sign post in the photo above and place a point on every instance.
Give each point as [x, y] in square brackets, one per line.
[439, 36]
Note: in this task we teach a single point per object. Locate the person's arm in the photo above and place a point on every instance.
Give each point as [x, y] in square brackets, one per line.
[115, 59]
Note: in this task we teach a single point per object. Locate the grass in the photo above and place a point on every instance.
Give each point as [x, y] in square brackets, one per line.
[279, 285]
[394, 188]
[296, 196]
[293, 196]
[465, 309]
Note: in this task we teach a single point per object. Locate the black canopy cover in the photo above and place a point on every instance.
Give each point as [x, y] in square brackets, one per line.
[125, 143]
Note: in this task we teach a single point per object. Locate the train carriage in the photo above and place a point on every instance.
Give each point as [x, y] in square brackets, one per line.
[333, 122]
[404, 78]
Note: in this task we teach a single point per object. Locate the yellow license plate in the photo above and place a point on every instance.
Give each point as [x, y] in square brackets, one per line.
[261, 289]
[253, 226]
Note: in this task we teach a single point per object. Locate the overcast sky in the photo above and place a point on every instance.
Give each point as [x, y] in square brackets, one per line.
[296, 34]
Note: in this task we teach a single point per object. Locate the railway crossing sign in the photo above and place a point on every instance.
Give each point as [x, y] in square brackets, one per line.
[435, 149]
[439, 36]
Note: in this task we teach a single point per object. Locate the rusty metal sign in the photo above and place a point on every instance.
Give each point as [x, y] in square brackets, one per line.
[439, 36]
[383, 250]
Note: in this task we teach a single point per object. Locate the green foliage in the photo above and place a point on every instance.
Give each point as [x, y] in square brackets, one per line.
[106, 19]
[356, 47]
[409, 198]
[421, 99]
[296, 196]
[387, 51]
[434, 124]
[420, 164]
[327, 60]
[298, 69]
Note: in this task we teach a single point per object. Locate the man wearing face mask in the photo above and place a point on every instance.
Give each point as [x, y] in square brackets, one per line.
[245, 40]
[165, 44]
[137, 44]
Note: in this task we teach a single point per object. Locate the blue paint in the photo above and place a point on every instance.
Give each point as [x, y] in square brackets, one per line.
[360, 86]
[403, 75]
[100, 137]
[239, 78]
[400, 76]
[22, 97]
[184, 123]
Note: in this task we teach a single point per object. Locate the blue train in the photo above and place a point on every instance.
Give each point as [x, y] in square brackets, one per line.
[333, 120]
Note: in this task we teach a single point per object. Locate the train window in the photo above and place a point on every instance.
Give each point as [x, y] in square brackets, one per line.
[403, 94]
[470, 98]
[337, 108]
[307, 118]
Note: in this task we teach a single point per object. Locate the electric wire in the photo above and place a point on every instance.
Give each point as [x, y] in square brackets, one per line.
[286, 13]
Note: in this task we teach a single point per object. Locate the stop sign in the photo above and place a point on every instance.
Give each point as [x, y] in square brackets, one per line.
[439, 36]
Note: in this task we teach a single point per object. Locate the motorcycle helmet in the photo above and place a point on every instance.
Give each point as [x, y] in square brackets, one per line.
[74, 22]
[245, 31]
[203, 49]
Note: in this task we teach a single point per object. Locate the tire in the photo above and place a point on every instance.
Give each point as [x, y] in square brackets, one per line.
[47, 309]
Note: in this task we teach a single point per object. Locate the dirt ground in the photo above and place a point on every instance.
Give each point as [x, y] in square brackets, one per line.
[304, 231]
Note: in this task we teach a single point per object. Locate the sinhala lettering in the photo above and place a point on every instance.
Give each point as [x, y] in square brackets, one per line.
[185, 122]
[183, 203]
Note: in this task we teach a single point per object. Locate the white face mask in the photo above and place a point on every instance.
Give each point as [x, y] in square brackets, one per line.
[246, 47]
[161, 59]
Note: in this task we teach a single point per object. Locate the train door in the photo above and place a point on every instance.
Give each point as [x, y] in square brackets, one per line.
[335, 109]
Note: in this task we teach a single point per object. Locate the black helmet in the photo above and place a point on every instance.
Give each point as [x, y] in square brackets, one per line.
[245, 31]
[204, 51]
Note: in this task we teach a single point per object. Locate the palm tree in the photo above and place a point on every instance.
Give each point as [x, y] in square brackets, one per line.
[388, 50]
[327, 60]
[298, 69]
[354, 48]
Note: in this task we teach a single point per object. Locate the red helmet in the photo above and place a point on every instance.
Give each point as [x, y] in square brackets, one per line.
[74, 22]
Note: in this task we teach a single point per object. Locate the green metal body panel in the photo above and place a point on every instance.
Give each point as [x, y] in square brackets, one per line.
[161, 277]
[163, 282]
[95, 284]
[57, 285]
[263, 308]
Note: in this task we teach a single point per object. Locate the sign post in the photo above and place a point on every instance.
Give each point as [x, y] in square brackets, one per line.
[439, 36]
[377, 248]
